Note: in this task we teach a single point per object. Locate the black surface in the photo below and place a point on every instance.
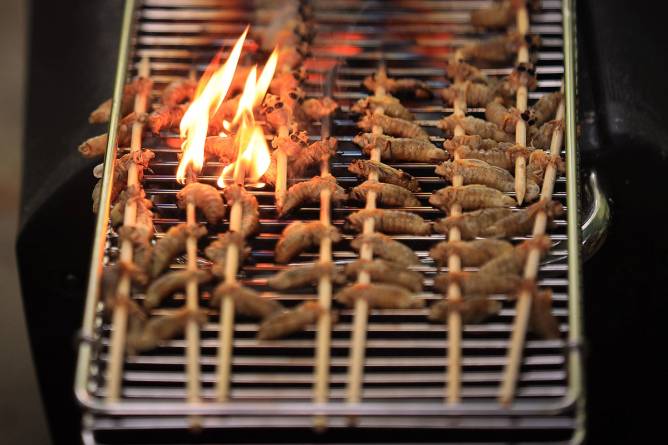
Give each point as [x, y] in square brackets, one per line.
[622, 92]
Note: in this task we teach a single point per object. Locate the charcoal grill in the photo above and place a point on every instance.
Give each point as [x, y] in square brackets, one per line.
[404, 373]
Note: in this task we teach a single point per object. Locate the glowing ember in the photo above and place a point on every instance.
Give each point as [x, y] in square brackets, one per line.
[211, 92]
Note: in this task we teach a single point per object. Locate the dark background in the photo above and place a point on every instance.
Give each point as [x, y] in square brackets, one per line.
[622, 93]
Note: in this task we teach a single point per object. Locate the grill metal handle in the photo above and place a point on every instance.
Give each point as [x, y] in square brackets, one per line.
[597, 219]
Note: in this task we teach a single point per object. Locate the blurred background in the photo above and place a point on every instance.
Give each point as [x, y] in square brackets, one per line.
[21, 416]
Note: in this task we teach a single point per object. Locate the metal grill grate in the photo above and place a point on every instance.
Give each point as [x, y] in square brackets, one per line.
[406, 355]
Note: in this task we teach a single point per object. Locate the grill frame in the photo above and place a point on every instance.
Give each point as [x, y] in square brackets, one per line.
[572, 401]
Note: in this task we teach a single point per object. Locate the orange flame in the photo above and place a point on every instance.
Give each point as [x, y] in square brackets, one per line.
[211, 92]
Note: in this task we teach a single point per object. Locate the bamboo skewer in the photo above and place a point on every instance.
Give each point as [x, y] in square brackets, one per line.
[281, 170]
[453, 391]
[192, 304]
[523, 306]
[120, 315]
[361, 309]
[521, 105]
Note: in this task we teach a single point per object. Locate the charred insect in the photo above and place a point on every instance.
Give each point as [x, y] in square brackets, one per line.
[472, 224]
[474, 125]
[139, 85]
[386, 272]
[250, 214]
[178, 92]
[288, 322]
[473, 310]
[217, 251]
[173, 244]
[309, 191]
[247, 302]
[206, 198]
[299, 236]
[385, 247]
[471, 253]
[470, 197]
[521, 222]
[387, 194]
[146, 336]
[393, 126]
[389, 221]
[170, 283]
[221, 148]
[379, 296]
[166, 117]
[391, 107]
[302, 157]
[389, 175]
[305, 275]
[400, 149]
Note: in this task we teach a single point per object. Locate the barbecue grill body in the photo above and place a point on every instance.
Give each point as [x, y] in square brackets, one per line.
[53, 370]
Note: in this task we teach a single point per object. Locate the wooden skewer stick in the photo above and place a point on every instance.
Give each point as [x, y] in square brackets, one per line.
[453, 392]
[361, 309]
[226, 330]
[522, 99]
[192, 304]
[281, 170]
[324, 328]
[523, 306]
[120, 314]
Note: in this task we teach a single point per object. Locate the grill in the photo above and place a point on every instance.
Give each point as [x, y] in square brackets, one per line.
[406, 356]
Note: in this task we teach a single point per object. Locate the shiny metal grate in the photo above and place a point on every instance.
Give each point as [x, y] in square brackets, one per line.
[406, 355]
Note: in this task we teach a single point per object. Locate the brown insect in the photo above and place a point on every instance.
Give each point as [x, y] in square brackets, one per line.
[472, 141]
[217, 251]
[309, 191]
[384, 271]
[500, 14]
[179, 91]
[505, 118]
[173, 244]
[473, 310]
[146, 336]
[472, 224]
[521, 222]
[289, 322]
[542, 321]
[470, 197]
[139, 85]
[400, 149]
[301, 157]
[475, 283]
[170, 283]
[299, 236]
[387, 174]
[538, 162]
[393, 126]
[497, 50]
[133, 193]
[512, 262]
[541, 137]
[142, 250]
[458, 70]
[166, 117]
[379, 296]
[405, 86]
[247, 302]
[471, 253]
[503, 157]
[385, 247]
[475, 94]
[387, 194]
[313, 109]
[205, 197]
[120, 177]
[250, 213]
[474, 125]
[97, 145]
[305, 275]
[391, 106]
[545, 108]
[221, 148]
[389, 221]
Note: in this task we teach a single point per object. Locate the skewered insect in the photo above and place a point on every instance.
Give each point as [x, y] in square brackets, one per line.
[299, 236]
[217, 251]
[459, 71]
[133, 193]
[512, 262]
[289, 322]
[313, 109]
[387, 194]
[538, 162]
[471, 253]
[179, 91]
[474, 283]
[392, 126]
[305, 275]
[545, 108]
[521, 223]
[475, 171]
[472, 224]
[166, 117]
[205, 197]
[497, 15]
[497, 50]
[385, 247]
[505, 118]
[475, 94]
[503, 157]
[472, 141]
[470, 197]
[379, 296]
[389, 221]
[400, 149]
[541, 320]
[309, 191]
[474, 125]
[139, 85]
[387, 174]
[97, 145]
[541, 137]
[220, 147]
[146, 336]
[302, 159]
[473, 310]
[391, 106]
[170, 283]
[142, 250]
[396, 87]
[173, 244]
[247, 302]
[384, 271]
[250, 213]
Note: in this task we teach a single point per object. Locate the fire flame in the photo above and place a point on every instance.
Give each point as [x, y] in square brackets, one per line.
[211, 91]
